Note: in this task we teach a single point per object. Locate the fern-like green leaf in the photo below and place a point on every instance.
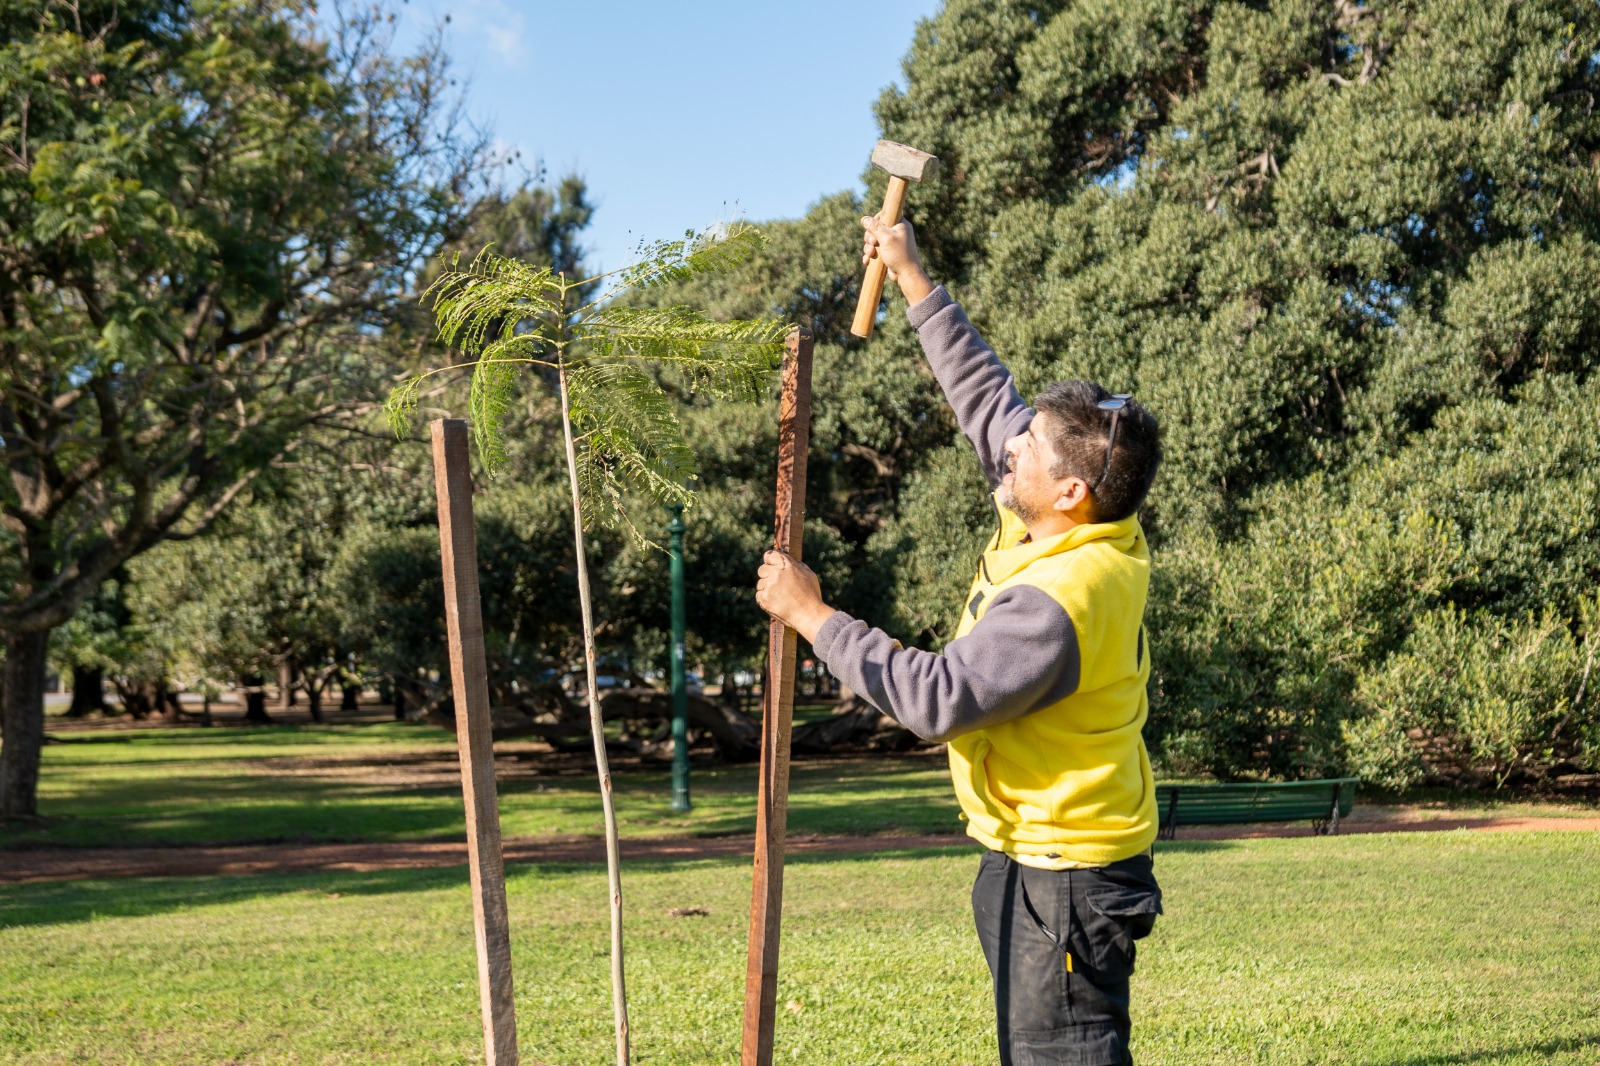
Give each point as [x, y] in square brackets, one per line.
[630, 429]
[629, 442]
[729, 360]
[709, 251]
[401, 403]
[494, 296]
[494, 384]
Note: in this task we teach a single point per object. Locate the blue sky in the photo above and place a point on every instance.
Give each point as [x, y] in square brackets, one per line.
[679, 114]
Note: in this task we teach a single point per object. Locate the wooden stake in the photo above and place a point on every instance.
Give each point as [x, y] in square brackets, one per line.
[458, 546]
[777, 716]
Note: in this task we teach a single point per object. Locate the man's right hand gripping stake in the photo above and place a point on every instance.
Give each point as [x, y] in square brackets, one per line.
[903, 164]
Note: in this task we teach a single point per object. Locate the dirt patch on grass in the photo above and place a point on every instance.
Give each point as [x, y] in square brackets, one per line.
[76, 864]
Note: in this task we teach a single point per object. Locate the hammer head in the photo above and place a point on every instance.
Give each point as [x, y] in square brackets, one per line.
[904, 161]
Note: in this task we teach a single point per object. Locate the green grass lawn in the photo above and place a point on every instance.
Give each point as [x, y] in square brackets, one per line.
[1410, 950]
[399, 781]
[1413, 950]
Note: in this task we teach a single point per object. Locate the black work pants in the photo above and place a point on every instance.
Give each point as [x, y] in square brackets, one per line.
[1060, 946]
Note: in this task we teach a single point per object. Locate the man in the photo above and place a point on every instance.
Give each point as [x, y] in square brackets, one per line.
[1041, 694]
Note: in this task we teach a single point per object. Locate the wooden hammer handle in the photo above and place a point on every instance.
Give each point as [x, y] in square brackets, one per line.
[894, 202]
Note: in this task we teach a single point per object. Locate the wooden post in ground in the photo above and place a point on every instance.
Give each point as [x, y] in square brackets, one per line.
[777, 718]
[458, 546]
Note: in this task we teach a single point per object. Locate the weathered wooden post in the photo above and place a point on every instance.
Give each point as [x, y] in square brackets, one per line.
[458, 546]
[777, 717]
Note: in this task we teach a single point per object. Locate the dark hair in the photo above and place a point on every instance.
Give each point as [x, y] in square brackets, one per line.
[1078, 430]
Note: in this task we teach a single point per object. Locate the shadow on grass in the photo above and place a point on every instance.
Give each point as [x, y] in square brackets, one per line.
[233, 810]
[274, 735]
[69, 902]
[409, 796]
[1504, 1054]
[82, 901]
[1192, 847]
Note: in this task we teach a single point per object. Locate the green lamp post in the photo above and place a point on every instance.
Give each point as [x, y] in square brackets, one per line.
[680, 691]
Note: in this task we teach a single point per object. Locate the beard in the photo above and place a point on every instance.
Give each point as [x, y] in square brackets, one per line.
[1011, 502]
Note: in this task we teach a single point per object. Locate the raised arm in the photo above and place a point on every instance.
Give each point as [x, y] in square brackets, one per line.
[980, 389]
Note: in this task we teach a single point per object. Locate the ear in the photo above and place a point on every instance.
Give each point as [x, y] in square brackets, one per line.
[1071, 492]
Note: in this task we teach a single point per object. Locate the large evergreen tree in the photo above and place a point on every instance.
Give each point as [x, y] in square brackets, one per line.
[1347, 252]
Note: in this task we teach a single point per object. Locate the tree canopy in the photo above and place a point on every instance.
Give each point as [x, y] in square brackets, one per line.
[207, 211]
[1347, 254]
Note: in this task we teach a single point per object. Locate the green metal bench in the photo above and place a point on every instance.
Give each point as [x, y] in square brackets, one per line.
[1323, 803]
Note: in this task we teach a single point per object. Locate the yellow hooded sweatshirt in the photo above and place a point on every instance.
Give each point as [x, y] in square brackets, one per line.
[1068, 783]
[1041, 694]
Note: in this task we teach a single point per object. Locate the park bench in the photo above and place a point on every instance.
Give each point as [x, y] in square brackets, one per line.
[1323, 803]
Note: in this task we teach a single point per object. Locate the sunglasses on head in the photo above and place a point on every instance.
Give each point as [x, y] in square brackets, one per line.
[1116, 404]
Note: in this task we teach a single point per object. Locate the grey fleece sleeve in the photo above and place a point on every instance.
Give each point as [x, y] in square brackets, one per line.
[1021, 656]
[980, 389]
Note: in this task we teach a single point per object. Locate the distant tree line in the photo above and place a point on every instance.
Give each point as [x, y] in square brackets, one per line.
[1347, 253]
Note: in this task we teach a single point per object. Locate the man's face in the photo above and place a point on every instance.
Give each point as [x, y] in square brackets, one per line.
[1028, 487]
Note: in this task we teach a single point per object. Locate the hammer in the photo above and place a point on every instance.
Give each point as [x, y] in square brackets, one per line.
[904, 164]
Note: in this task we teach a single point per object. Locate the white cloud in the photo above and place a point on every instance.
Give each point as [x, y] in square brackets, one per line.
[505, 39]
[498, 26]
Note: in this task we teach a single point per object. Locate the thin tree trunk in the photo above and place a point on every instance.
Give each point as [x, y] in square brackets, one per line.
[285, 683]
[255, 700]
[351, 698]
[88, 692]
[314, 699]
[22, 723]
[619, 996]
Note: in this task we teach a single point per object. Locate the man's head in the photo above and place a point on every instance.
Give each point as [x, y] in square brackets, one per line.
[1059, 470]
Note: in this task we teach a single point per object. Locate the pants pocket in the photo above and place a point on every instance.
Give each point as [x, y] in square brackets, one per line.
[1073, 1045]
[1042, 892]
[1119, 914]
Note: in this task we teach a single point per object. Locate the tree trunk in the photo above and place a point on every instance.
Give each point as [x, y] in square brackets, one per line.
[737, 737]
[255, 700]
[22, 723]
[399, 701]
[314, 699]
[619, 995]
[856, 725]
[88, 692]
[135, 696]
[351, 700]
[285, 683]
